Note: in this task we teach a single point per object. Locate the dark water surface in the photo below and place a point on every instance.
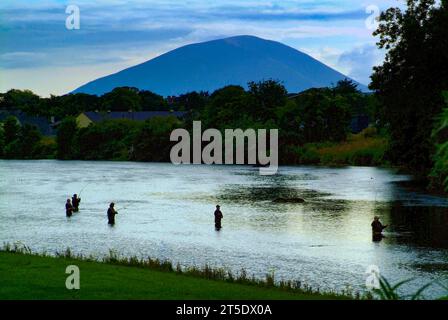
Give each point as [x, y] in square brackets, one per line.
[325, 242]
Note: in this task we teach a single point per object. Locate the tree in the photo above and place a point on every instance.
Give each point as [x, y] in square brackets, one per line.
[24, 100]
[312, 105]
[225, 107]
[28, 141]
[151, 101]
[2, 140]
[345, 87]
[110, 140]
[65, 139]
[11, 129]
[18, 142]
[338, 117]
[122, 99]
[266, 97]
[74, 104]
[439, 173]
[152, 141]
[11, 135]
[409, 82]
[323, 115]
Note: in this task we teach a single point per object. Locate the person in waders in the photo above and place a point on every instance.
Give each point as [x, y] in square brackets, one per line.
[68, 208]
[75, 202]
[111, 214]
[218, 218]
[377, 229]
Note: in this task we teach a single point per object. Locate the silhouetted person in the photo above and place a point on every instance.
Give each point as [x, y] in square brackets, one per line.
[75, 202]
[111, 214]
[218, 218]
[68, 208]
[377, 226]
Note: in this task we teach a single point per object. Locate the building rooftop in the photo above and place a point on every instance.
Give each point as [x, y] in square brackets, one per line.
[44, 125]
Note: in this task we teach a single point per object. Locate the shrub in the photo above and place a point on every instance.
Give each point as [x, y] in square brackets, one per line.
[439, 172]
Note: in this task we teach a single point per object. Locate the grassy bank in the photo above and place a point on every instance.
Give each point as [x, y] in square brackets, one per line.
[27, 276]
[363, 149]
[24, 275]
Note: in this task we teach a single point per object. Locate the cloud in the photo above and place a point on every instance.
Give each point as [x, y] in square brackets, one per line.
[125, 32]
[293, 15]
[20, 59]
[359, 62]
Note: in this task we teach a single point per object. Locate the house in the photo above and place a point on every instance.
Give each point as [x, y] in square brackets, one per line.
[87, 118]
[45, 126]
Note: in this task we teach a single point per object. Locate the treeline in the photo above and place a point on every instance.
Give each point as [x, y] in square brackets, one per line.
[120, 99]
[22, 142]
[313, 116]
[117, 140]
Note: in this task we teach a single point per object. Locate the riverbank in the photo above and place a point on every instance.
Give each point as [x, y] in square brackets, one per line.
[29, 276]
[364, 149]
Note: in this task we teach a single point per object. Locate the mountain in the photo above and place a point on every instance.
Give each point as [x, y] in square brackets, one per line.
[214, 64]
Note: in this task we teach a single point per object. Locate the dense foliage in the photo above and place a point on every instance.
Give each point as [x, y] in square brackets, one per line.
[119, 99]
[439, 173]
[409, 83]
[317, 115]
[66, 139]
[22, 142]
[117, 140]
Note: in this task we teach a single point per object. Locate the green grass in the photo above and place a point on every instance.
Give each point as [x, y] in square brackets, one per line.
[26, 276]
[363, 149]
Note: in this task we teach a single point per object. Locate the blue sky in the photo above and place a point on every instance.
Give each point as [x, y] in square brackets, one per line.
[38, 52]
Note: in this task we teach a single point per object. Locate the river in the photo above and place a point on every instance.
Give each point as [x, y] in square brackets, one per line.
[325, 242]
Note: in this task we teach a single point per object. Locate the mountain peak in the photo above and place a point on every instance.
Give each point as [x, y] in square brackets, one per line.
[210, 65]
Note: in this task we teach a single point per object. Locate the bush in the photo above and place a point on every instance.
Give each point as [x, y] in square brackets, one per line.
[152, 141]
[439, 172]
[106, 140]
[308, 155]
[65, 139]
[369, 132]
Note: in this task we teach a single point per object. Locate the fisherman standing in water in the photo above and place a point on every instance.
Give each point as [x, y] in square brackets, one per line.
[218, 218]
[75, 202]
[377, 229]
[68, 208]
[111, 214]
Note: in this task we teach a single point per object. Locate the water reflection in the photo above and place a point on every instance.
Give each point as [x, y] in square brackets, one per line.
[418, 225]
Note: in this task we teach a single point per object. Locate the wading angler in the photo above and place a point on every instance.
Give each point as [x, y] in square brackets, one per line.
[236, 141]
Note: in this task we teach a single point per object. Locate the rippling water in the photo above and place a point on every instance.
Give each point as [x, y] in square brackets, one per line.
[168, 213]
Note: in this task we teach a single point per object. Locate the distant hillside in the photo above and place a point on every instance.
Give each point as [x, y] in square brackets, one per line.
[211, 65]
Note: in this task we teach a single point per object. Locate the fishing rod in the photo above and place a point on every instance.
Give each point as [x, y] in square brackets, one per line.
[133, 203]
[83, 188]
[86, 185]
[125, 207]
[372, 179]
